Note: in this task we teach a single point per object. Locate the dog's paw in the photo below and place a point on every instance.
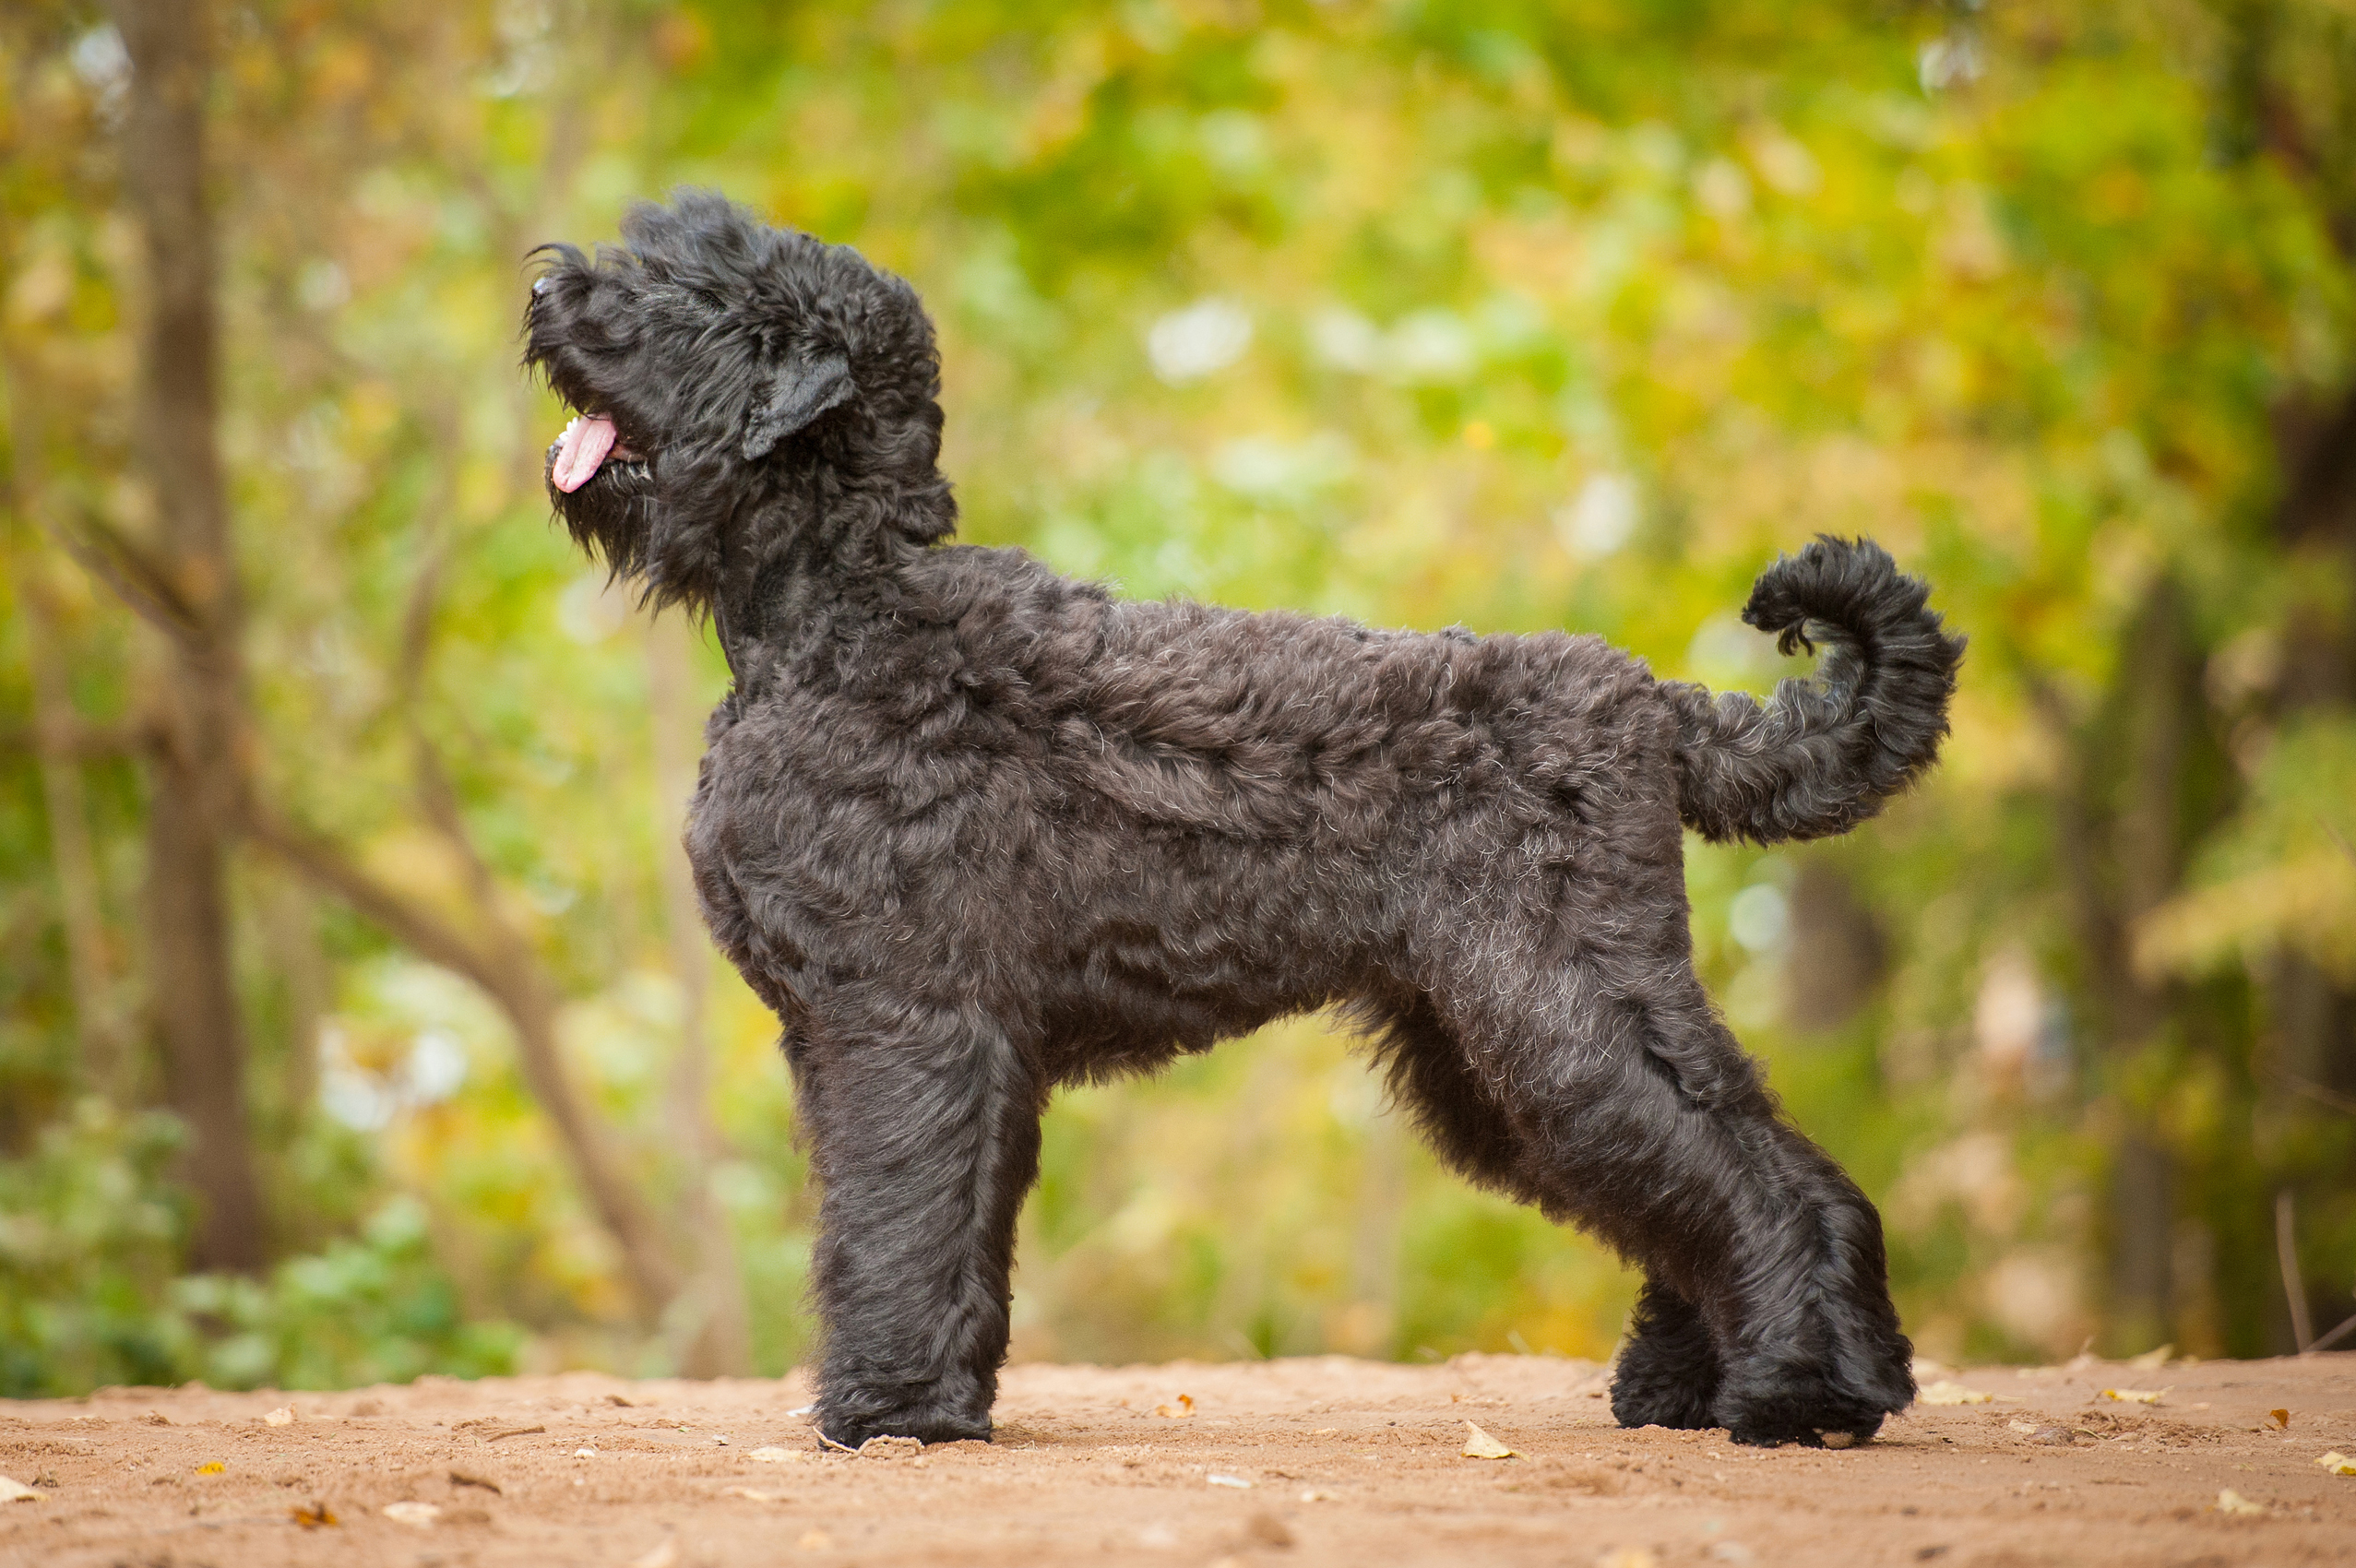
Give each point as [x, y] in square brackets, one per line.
[1799, 1404]
[1685, 1409]
[1660, 1396]
[1667, 1373]
[852, 1426]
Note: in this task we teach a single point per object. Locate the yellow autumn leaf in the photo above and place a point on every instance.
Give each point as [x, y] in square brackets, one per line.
[1479, 1444]
[2337, 1464]
[1179, 1411]
[2136, 1395]
[2231, 1502]
[17, 1492]
[1946, 1393]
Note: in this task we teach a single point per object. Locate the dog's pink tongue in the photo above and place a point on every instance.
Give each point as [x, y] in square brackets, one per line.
[580, 449]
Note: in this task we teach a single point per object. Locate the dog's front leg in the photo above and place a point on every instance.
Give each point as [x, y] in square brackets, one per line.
[924, 1132]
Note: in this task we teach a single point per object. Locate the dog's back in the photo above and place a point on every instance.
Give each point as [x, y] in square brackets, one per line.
[1035, 781]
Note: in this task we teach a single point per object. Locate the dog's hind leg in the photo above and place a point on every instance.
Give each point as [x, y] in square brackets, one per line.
[1768, 1309]
[924, 1134]
[1668, 1372]
[1762, 1240]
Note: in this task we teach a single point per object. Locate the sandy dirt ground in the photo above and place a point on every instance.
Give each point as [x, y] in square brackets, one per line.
[1326, 1461]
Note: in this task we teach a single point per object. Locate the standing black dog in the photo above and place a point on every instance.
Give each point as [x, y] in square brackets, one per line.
[975, 830]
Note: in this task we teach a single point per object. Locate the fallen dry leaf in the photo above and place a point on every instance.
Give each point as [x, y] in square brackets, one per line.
[1178, 1412]
[2337, 1464]
[1229, 1480]
[2281, 1420]
[2152, 1361]
[1267, 1530]
[1479, 1444]
[814, 1540]
[316, 1515]
[17, 1492]
[663, 1554]
[2025, 1428]
[468, 1478]
[1945, 1392]
[2136, 1395]
[2231, 1502]
[774, 1456]
[417, 1516]
[282, 1417]
[211, 1467]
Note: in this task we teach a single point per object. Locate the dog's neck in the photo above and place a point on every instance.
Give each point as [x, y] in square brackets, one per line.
[821, 559]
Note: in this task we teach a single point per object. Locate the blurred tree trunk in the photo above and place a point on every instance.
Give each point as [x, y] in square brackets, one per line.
[2164, 697]
[2314, 1016]
[718, 1336]
[2121, 835]
[2312, 1052]
[1836, 954]
[192, 797]
[56, 735]
[1370, 1324]
[105, 1061]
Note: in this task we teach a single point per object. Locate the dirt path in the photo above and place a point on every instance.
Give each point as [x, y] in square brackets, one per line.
[1307, 1461]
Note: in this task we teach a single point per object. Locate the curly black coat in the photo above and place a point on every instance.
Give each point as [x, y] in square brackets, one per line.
[974, 830]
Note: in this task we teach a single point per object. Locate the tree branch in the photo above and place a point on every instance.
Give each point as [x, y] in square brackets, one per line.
[503, 970]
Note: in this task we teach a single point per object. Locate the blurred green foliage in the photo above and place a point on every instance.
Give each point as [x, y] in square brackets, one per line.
[1509, 315]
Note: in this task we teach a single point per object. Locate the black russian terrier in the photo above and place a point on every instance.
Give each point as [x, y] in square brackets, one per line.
[975, 830]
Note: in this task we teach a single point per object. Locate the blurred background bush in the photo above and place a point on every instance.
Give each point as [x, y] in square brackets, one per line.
[354, 1019]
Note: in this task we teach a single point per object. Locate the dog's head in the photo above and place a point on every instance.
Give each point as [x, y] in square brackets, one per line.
[736, 388]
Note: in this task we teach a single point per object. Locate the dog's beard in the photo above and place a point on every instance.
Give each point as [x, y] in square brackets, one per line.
[610, 509]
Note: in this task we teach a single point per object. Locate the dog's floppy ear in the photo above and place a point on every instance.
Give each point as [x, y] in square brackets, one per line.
[806, 385]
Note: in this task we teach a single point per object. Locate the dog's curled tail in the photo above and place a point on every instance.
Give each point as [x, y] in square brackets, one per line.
[1823, 753]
